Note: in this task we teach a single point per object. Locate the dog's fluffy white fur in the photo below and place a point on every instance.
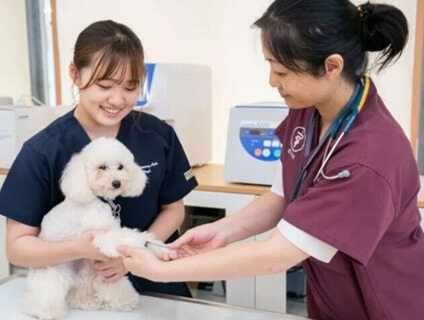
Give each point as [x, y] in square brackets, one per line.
[104, 168]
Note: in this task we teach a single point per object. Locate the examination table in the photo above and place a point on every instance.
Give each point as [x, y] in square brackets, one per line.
[150, 308]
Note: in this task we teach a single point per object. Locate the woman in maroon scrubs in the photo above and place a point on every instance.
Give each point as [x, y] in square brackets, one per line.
[347, 203]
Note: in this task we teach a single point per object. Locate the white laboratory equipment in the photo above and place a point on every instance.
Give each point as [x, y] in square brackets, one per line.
[18, 124]
[181, 95]
[6, 101]
[253, 150]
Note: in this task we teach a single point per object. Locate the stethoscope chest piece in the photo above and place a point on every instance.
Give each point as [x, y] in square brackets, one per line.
[343, 123]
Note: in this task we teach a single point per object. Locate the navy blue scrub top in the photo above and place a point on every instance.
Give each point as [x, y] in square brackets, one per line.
[31, 187]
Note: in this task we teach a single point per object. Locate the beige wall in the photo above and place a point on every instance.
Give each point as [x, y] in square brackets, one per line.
[14, 62]
[217, 34]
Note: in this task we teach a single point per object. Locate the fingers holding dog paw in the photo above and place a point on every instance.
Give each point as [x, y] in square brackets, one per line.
[140, 262]
[111, 270]
[84, 246]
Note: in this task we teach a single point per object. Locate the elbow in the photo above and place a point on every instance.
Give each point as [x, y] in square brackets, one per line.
[181, 218]
[14, 256]
[275, 267]
[179, 214]
[11, 256]
[274, 261]
[271, 263]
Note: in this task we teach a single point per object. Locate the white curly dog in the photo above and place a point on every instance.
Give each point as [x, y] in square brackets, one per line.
[92, 179]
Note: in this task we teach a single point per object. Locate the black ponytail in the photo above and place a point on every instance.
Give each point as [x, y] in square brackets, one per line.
[385, 29]
[311, 30]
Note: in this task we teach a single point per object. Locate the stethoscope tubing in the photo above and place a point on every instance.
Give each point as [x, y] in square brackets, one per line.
[349, 114]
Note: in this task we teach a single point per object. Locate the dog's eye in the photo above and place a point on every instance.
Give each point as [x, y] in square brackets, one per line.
[102, 167]
[120, 167]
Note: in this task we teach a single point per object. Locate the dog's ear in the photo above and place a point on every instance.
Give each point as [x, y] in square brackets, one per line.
[137, 183]
[74, 181]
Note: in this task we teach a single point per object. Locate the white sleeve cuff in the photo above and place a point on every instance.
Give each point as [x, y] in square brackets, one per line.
[307, 243]
[277, 186]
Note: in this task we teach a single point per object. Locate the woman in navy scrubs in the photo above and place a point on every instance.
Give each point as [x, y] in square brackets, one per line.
[108, 70]
[345, 203]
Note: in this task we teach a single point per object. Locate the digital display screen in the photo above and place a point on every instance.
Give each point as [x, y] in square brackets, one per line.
[255, 132]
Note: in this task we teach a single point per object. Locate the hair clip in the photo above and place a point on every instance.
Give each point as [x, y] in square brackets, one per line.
[360, 11]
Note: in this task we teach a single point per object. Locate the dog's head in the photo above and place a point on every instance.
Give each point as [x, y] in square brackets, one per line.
[104, 168]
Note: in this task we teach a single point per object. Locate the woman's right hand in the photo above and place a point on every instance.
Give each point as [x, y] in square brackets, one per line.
[85, 247]
[197, 240]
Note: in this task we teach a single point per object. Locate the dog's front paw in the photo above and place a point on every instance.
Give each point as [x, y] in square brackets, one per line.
[106, 244]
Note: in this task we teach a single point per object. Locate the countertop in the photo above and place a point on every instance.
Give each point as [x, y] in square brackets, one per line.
[150, 308]
[210, 179]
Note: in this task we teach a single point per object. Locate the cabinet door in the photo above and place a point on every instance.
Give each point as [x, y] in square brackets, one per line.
[239, 292]
[270, 293]
[4, 264]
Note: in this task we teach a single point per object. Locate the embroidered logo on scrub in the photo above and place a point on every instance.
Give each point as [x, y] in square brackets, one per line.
[297, 141]
[148, 168]
[189, 174]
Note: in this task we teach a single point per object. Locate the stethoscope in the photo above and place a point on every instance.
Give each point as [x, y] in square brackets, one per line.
[343, 122]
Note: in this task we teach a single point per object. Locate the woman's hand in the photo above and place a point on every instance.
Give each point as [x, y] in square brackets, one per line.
[110, 270]
[197, 240]
[85, 248]
[140, 262]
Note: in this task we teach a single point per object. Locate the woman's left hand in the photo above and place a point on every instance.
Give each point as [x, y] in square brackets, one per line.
[110, 270]
[140, 262]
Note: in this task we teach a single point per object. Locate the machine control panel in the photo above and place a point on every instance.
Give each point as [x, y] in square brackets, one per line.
[259, 140]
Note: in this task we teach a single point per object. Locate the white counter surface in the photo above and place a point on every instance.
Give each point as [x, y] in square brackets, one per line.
[150, 308]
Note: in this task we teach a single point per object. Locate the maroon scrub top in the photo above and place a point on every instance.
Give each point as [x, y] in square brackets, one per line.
[371, 217]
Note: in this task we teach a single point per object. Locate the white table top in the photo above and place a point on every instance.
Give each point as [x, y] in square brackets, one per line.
[150, 308]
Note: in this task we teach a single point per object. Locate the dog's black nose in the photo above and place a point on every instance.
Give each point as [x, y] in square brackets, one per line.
[116, 184]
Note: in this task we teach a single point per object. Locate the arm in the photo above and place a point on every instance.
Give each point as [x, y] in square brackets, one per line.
[168, 220]
[165, 224]
[260, 215]
[24, 248]
[274, 255]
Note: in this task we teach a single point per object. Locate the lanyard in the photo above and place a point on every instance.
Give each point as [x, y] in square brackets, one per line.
[348, 114]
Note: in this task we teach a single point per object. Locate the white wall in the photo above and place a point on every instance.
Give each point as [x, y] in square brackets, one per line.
[218, 34]
[395, 83]
[185, 31]
[14, 61]
[4, 264]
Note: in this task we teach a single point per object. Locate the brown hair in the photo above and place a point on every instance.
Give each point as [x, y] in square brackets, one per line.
[112, 45]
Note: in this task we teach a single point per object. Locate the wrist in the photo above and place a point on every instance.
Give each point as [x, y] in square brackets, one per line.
[225, 232]
[157, 272]
[75, 250]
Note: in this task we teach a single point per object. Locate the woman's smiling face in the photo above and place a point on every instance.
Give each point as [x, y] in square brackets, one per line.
[105, 102]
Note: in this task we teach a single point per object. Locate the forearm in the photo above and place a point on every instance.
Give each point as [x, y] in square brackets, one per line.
[259, 216]
[168, 220]
[274, 255]
[31, 251]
